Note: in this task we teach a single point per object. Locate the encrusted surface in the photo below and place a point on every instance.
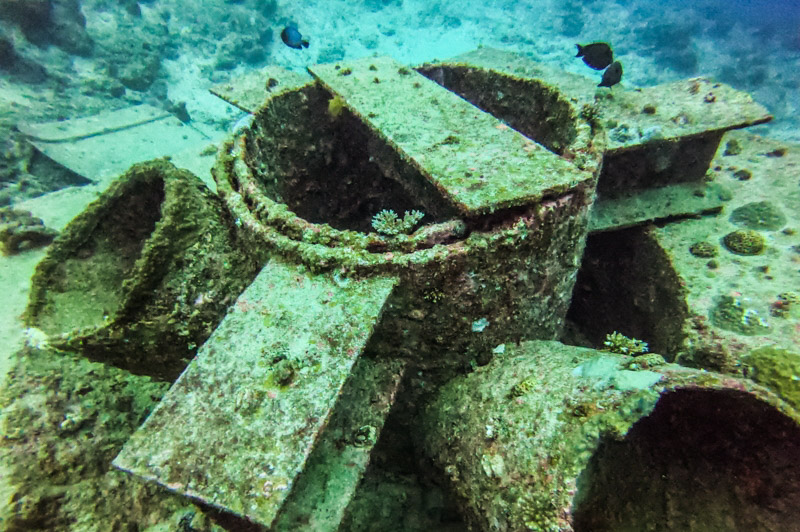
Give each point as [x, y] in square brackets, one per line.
[518, 66]
[472, 158]
[745, 301]
[636, 116]
[679, 109]
[143, 275]
[660, 139]
[277, 417]
[64, 419]
[236, 429]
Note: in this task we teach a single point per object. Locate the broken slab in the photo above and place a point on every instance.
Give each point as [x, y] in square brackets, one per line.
[668, 134]
[101, 147]
[237, 428]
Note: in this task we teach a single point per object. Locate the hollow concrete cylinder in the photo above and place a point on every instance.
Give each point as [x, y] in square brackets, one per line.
[143, 275]
[549, 437]
[469, 277]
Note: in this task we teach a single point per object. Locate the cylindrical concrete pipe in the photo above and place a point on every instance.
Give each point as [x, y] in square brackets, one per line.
[143, 275]
[549, 437]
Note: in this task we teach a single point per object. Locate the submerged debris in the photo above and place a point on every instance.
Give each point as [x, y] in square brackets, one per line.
[20, 231]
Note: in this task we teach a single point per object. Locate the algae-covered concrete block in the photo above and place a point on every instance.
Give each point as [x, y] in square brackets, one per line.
[685, 199]
[340, 458]
[468, 279]
[249, 91]
[741, 302]
[412, 243]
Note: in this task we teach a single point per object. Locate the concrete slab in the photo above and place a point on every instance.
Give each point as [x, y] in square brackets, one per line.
[744, 301]
[99, 124]
[103, 146]
[475, 161]
[683, 288]
[237, 427]
[696, 106]
[660, 140]
[335, 468]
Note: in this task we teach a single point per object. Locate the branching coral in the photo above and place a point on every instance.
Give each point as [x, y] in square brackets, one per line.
[619, 343]
[388, 223]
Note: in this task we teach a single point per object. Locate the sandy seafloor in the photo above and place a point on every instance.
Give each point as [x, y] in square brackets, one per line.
[655, 43]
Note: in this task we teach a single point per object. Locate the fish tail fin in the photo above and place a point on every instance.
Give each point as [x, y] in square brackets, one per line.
[580, 50]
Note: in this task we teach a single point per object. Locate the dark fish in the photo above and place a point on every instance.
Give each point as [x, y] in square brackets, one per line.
[597, 55]
[292, 38]
[612, 75]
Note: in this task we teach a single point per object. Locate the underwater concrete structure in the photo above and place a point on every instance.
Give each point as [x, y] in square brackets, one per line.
[384, 276]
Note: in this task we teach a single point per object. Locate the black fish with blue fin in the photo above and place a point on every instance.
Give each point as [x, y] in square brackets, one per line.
[612, 75]
[596, 55]
[292, 38]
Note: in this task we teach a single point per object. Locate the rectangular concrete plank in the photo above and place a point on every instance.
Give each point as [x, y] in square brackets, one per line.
[99, 124]
[646, 205]
[340, 458]
[100, 157]
[676, 110]
[237, 427]
[474, 160]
